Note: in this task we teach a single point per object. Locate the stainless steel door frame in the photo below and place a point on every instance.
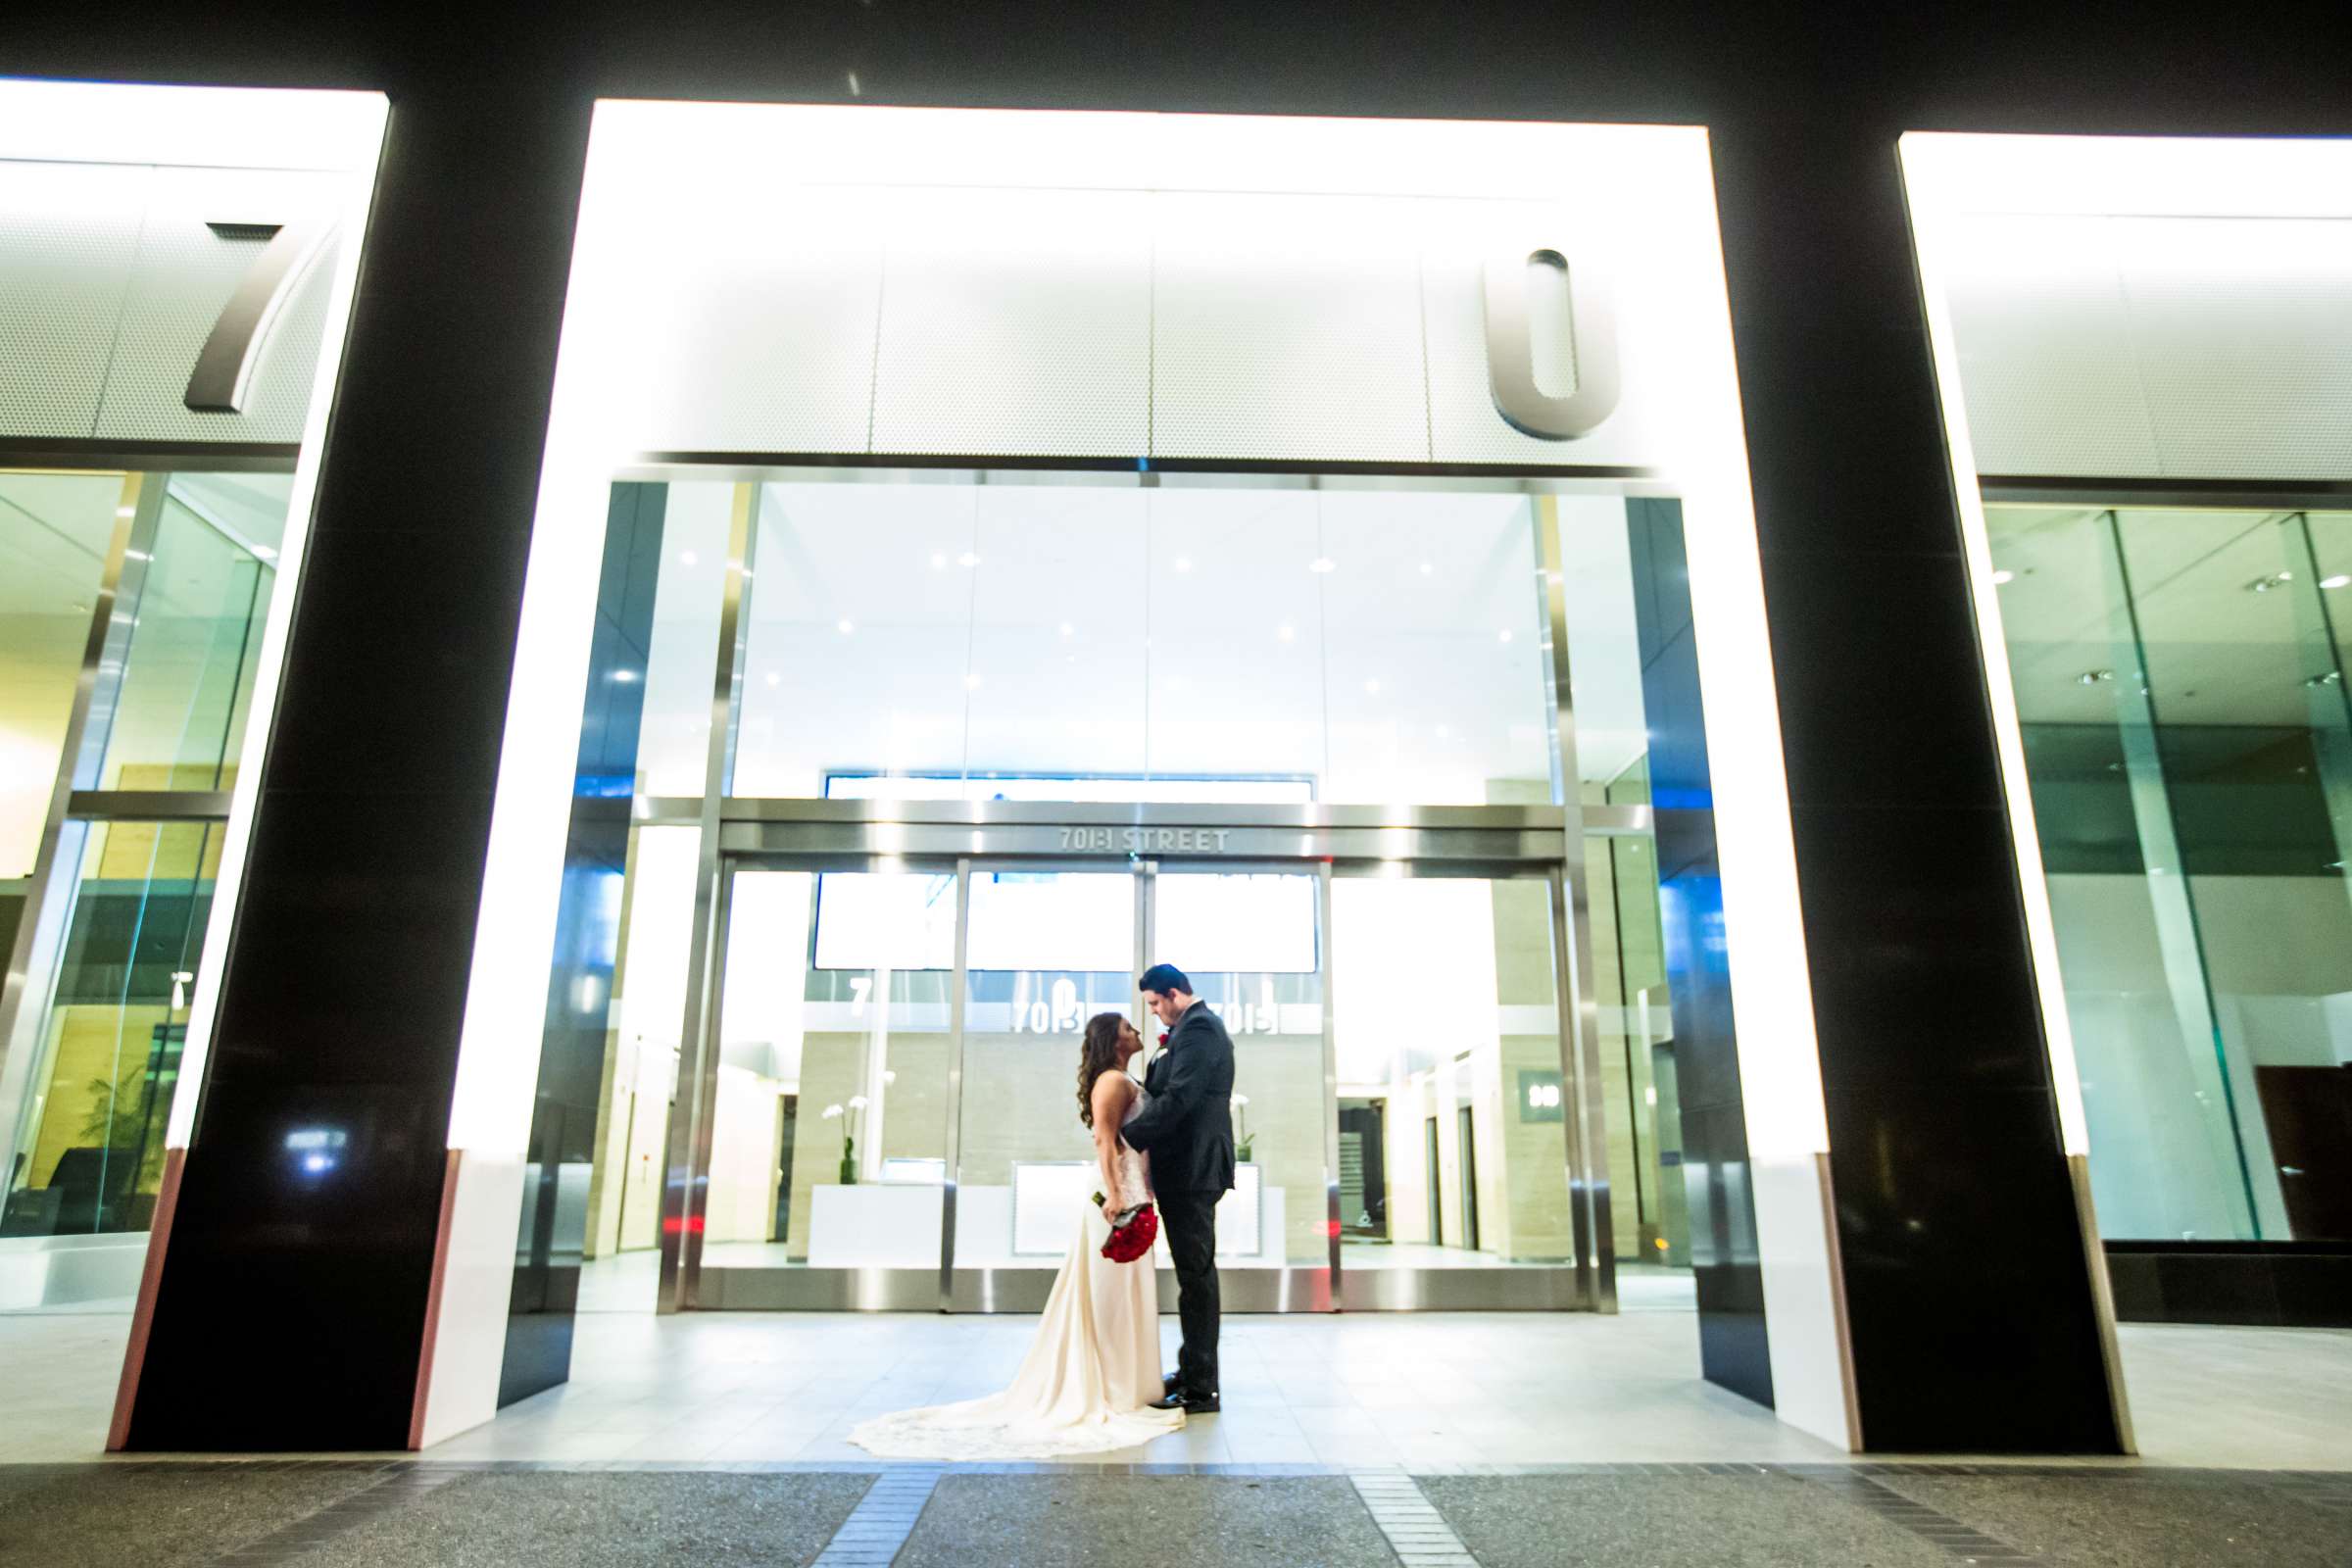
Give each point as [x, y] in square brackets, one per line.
[1486, 843]
[685, 1187]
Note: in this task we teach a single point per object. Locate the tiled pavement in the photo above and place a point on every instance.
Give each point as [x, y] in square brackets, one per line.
[1393, 1390]
[598, 1514]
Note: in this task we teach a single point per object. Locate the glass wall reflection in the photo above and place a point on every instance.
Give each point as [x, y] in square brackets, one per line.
[1056, 640]
[170, 661]
[2180, 677]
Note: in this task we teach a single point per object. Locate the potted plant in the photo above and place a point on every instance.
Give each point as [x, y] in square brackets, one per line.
[1242, 1140]
[849, 1137]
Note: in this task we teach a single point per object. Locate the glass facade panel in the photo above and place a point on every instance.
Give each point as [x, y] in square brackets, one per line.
[1047, 951]
[1089, 641]
[1450, 1069]
[1251, 946]
[1047, 639]
[829, 1132]
[178, 719]
[55, 529]
[2179, 685]
[89, 1149]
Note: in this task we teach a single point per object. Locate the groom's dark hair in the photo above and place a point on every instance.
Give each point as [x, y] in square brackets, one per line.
[1167, 978]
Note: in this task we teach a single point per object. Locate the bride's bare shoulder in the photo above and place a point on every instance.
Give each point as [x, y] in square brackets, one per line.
[1112, 1092]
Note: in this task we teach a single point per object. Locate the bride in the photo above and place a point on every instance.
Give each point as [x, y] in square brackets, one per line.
[1094, 1367]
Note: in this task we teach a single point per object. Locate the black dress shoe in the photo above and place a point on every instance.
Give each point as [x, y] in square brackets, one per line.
[1188, 1402]
[1170, 1382]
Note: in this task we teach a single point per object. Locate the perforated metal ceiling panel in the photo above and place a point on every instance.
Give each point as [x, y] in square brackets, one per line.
[2245, 339]
[67, 237]
[2045, 352]
[2156, 348]
[1288, 327]
[754, 327]
[1017, 322]
[185, 273]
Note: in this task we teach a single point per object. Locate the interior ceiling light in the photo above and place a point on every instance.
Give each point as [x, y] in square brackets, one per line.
[845, 628]
[2003, 576]
[687, 558]
[2339, 580]
[1373, 687]
[2263, 585]
[937, 560]
[1507, 634]
[1282, 631]
[2092, 677]
[968, 559]
[1321, 564]
[1184, 563]
[1068, 630]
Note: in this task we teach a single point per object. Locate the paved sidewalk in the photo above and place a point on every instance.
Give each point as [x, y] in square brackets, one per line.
[380, 1514]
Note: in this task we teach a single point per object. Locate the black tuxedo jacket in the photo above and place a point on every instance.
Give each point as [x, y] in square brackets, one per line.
[1187, 1128]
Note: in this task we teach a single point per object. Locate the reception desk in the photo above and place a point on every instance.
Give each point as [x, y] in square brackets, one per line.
[1024, 1225]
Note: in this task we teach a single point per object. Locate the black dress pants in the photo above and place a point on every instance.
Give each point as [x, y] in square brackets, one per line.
[1192, 1219]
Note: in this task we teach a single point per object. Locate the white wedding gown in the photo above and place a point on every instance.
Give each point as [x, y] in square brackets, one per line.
[1089, 1374]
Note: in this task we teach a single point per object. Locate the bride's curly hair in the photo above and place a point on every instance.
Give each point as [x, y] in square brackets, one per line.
[1098, 1053]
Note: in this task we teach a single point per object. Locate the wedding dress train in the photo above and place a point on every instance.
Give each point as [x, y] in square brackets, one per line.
[1089, 1374]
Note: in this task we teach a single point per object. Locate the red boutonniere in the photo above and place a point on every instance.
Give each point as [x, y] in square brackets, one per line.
[1163, 1037]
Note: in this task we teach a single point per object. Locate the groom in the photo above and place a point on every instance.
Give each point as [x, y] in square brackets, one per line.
[1186, 1126]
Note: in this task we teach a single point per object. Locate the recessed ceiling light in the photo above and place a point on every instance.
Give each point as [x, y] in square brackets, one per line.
[1373, 687]
[1285, 632]
[628, 678]
[125, 511]
[1427, 568]
[1184, 562]
[845, 628]
[1068, 630]
[687, 558]
[1506, 634]
[1321, 564]
[971, 682]
[774, 679]
[968, 559]
[2339, 580]
[2003, 576]
[937, 560]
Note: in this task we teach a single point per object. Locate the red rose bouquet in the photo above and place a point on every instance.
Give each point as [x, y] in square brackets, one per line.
[1131, 1232]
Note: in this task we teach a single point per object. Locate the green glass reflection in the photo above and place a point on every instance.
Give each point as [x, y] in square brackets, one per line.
[2180, 684]
[178, 719]
[89, 1149]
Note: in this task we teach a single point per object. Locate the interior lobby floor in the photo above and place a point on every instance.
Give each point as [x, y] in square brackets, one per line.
[1436, 1390]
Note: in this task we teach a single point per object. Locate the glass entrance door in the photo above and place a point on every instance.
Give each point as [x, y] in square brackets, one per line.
[885, 1085]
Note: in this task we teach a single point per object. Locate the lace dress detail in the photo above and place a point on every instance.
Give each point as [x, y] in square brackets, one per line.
[1091, 1372]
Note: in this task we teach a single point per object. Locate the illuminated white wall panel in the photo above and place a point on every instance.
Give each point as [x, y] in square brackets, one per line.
[1308, 299]
[1017, 322]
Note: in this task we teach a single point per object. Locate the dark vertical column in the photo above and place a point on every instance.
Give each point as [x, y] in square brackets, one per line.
[293, 1292]
[1732, 1342]
[1966, 1288]
[579, 986]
